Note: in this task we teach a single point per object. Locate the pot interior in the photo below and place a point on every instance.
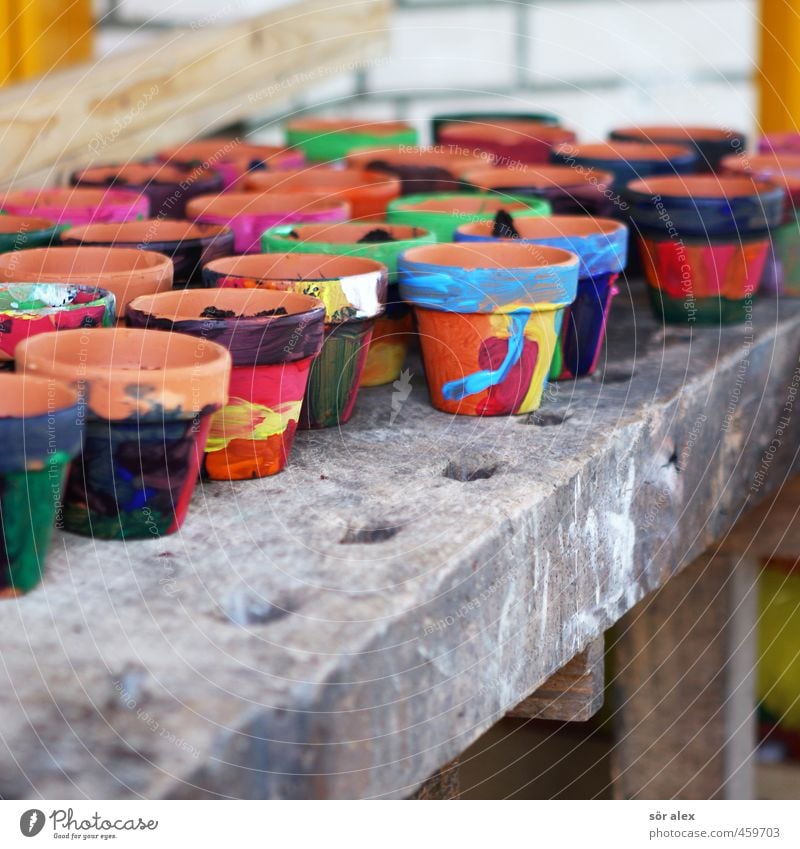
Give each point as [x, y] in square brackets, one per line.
[674, 133]
[554, 227]
[68, 198]
[67, 261]
[541, 177]
[701, 186]
[464, 204]
[626, 151]
[508, 256]
[294, 266]
[350, 233]
[190, 304]
[268, 203]
[143, 232]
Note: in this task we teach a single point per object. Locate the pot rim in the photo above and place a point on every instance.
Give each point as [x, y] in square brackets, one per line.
[507, 131]
[703, 187]
[26, 396]
[239, 266]
[411, 233]
[328, 180]
[139, 263]
[432, 203]
[483, 256]
[234, 204]
[142, 174]
[626, 151]
[552, 227]
[542, 177]
[675, 132]
[409, 155]
[195, 232]
[74, 198]
[214, 149]
[354, 126]
[37, 224]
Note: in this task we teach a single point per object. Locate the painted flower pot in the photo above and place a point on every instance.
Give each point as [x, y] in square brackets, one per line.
[273, 338]
[569, 191]
[148, 399]
[232, 158]
[250, 214]
[510, 143]
[420, 170]
[125, 272]
[168, 187]
[628, 160]
[74, 206]
[438, 122]
[18, 232]
[703, 281]
[601, 245]
[327, 139]
[705, 206]
[489, 318]
[441, 214]
[353, 290]
[27, 309]
[367, 192]
[780, 143]
[381, 242]
[711, 143]
[40, 430]
[189, 245]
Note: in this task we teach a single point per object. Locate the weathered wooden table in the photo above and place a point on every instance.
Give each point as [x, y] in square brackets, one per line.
[349, 626]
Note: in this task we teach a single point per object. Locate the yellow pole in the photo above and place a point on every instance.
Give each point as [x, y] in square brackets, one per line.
[778, 75]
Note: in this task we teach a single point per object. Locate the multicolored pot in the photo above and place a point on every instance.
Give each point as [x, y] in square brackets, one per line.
[327, 139]
[442, 120]
[510, 142]
[168, 187]
[189, 245]
[711, 143]
[367, 192]
[441, 214]
[148, 399]
[353, 290]
[18, 232]
[489, 318]
[703, 281]
[628, 160]
[569, 191]
[27, 309]
[125, 272]
[273, 338]
[40, 431]
[232, 158]
[421, 170]
[75, 206]
[249, 214]
[381, 242]
[601, 245]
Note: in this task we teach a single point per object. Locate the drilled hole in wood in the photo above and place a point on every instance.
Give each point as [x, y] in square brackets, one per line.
[368, 535]
[614, 376]
[548, 418]
[460, 470]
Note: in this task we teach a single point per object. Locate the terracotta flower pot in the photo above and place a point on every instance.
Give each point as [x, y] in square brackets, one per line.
[232, 158]
[148, 398]
[18, 232]
[510, 142]
[704, 242]
[27, 309]
[75, 206]
[125, 272]
[168, 187]
[353, 290]
[711, 143]
[326, 139]
[420, 170]
[489, 318]
[392, 330]
[441, 214]
[273, 338]
[189, 245]
[250, 214]
[569, 191]
[40, 430]
[780, 143]
[601, 245]
[438, 122]
[628, 160]
[367, 192]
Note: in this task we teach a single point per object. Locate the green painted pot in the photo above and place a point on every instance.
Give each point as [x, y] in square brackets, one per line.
[786, 243]
[442, 213]
[18, 232]
[41, 426]
[392, 332]
[326, 139]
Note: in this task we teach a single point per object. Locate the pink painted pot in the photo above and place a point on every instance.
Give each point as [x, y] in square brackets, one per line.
[76, 206]
[249, 215]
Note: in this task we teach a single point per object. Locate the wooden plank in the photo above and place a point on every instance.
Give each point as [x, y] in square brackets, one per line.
[683, 688]
[574, 693]
[186, 83]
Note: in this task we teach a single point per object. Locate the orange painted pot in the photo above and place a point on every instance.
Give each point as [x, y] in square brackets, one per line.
[273, 337]
[388, 349]
[125, 272]
[367, 192]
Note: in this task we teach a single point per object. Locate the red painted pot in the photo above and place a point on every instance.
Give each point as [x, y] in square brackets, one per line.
[273, 338]
[250, 214]
[509, 142]
[74, 206]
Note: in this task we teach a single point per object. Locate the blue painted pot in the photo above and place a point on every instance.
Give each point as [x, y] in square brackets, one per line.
[601, 245]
